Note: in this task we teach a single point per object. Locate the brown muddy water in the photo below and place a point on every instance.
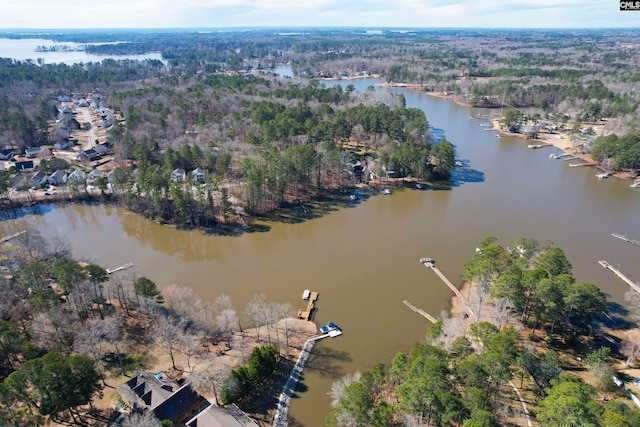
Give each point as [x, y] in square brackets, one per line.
[362, 257]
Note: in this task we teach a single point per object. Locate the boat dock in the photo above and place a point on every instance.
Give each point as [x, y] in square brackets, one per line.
[122, 267]
[282, 412]
[12, 236]
[421, 312]
[430, 263]
[621, 237]
[575, 165]
[632, 285]
[305, 313]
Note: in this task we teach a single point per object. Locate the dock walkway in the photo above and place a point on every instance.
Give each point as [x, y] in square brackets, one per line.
[122, 267]
[432, 266]
[421, 312]
[280, 420]
[7, 238]
[618, 273]
[621, 237]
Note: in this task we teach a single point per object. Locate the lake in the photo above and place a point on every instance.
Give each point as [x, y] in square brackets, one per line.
[25, 49]
[362, 257]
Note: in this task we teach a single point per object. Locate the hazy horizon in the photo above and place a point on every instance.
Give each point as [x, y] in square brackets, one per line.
[239, 14]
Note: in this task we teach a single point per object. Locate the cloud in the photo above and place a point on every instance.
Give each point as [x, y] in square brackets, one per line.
[288, 13]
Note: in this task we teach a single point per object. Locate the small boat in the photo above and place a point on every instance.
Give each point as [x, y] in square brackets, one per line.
[306, 294]
[427, 260]
[354, 197]
[328, 328]
[419, 186]
[385, 191]
[602, 175]
[459, 164]
[635, 184]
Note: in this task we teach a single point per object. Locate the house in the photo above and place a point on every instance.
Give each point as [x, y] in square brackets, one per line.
[78, 176]
[19, 182]
[32, 152]
[178, 175]
[64, 145]
[199, 175]
[179, 404]
[6, 154]
[89, 155]
[93, 176]
[38, 180]
[64, 98]
[2, 167]
[101, 149]
[58, 178]
[25, 165]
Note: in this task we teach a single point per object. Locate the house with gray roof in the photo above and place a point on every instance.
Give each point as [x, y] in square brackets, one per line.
[38, 180]
[179, 404]
[77, 177]
[199, 175]
[178, 175]
[58, 178]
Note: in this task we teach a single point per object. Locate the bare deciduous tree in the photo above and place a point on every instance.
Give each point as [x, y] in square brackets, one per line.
[168, 334]
[146, 419]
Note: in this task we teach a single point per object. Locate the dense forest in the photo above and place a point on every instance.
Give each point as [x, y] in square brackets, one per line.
[257, 142]
[532, 316]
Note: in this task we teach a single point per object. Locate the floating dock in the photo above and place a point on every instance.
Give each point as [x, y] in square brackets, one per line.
[421, 312]
[622, 277]
[621, 237]
[305, 313]
[430, 263]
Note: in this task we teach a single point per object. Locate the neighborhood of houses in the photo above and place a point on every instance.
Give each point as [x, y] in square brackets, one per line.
[87, 153]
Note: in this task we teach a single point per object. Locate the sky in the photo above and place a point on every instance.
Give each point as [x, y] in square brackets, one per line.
[315, 13]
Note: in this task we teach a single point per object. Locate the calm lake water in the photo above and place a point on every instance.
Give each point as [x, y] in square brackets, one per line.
[23, 49]
[363, 257]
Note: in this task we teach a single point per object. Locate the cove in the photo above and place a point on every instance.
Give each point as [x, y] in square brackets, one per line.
[363, 257]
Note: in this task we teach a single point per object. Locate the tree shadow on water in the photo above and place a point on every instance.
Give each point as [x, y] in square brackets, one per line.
[327, 362]
[463, 175]
[618, 317]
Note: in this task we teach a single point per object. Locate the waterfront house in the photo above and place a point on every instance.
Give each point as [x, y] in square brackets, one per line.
[58, 178]
[167, 400]
[25, 165]
[199, 175]
[6, 154]
[38, 180]
[178, 175]
[93, 176]
[19, 182]
[77, 177]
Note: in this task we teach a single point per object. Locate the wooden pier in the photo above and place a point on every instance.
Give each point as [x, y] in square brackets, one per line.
[421, 312]
[282, 412]
[122, 267]
[432, 265]
[622, 277]
[575, 165]
[621, 237]
[305, 313]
